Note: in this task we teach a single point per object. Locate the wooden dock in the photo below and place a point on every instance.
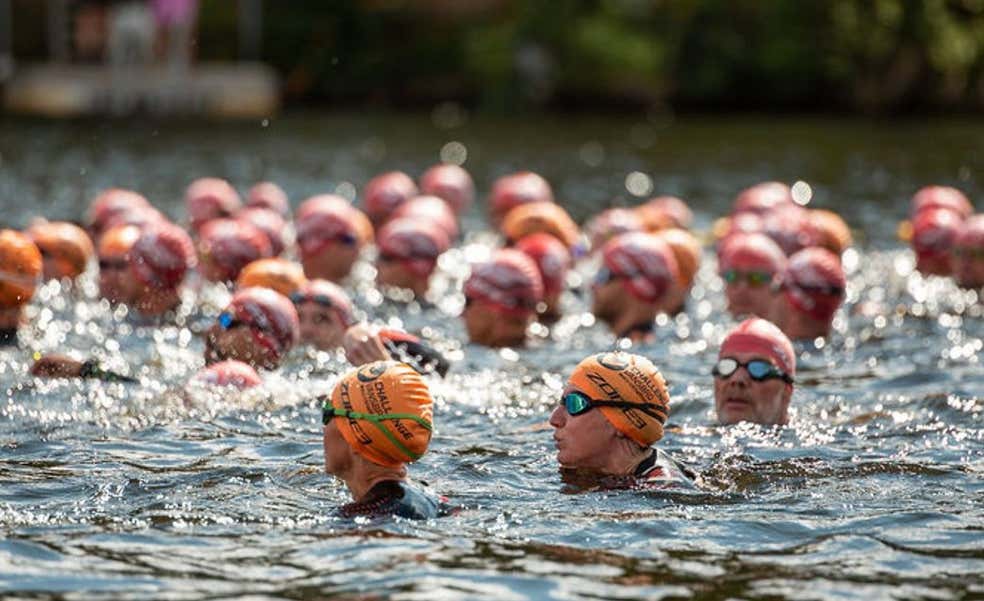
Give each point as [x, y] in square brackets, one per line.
[220, 90]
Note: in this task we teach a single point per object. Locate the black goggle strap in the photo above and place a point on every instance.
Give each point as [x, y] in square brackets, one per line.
[328, 412]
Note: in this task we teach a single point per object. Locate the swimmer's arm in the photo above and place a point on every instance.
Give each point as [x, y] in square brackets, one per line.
[56, 365]
[365, 344]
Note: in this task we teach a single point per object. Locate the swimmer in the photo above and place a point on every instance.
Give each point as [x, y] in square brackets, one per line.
[107, 205]
[325, 312]
[65, 248]
[258, 327]
[228, 374]
[632, 406]
[379, 418]
[830, 231]
[364, 343]
[968, 254]
[408, 253]
[21, 267]
[934, 231]
[502, 297]
[159, 260]
[210, 198]
[268, 195]
[510, 191]
[534, 217]
[686, 250]
[270, 223]
[384, 193]
[664, 212]
[226, 246]
[808, 294]
[753, 376]
[330, 237]
[554, 260]
[633, 284]
[431, 209]
[113, 251]
[286, 277]
[610, 223]
[451, 183]
[749, 264]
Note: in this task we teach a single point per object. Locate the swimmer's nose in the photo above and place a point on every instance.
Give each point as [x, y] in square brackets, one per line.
[558, 417]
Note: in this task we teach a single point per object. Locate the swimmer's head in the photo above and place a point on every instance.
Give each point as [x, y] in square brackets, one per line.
[325, 312]
[664, 212]
[748, 264]
[968, 253]
[229, 374]
[753, 374]
[610, 223]
[383, 412]
[534, 217]
[763, 198]
[451, 183]
[161, 257]
[21, 266]
[789, 225]
[637, 274]
[330, 238]
[830, 231]
[933, 232]
[686, 249]
[116, 284]
[501, 298]
[210, 198]
[510, 191]
[432, 209]
[553, 259]
[270, 223]
[408, 252]
[107, 204]
[328, 202]
[259, 327]
[384, 193]
[286, 277]
[940, 197]
[225, 246]
[65, 248]
[812, 289]
[268, 195]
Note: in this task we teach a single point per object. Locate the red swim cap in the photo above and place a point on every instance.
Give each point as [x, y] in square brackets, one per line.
[231, 373]
[270, 316]
[329, 223]
[321, 201]
[510, 191]
[210, 198]
[451, 183]
[509, 281]
[763, 198]
[415, 243]
[229, 245]
[552, 258]
[329, 294]
[384, 193]
[162, 255]
[789, 225]
[268, 195]
[429, 208]
[138, 216]
[941, 197]
[971, 234]
[673, 212]
[610, 223]
[109, 202]
[933, 233]
[750, 252]
[645, 262]
[755, 335]
[814, 282]
[269, 222]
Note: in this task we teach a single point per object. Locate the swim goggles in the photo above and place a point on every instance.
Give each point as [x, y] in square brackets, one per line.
[110, 264]
[228, 321]
[968, 252]
[752, 278]
[576, 403]
[322, 299]
[606, 275]
[758, 369]
[328, 412]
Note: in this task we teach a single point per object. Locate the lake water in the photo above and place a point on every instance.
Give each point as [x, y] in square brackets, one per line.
[874, 491]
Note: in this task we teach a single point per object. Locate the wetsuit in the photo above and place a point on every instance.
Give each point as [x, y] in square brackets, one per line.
[659, 469]
[415, 352]
[397, 498]
[91, 369]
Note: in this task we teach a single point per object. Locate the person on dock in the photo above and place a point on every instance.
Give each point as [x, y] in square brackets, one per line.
[615, 442]
[378, 418]
[753, 376]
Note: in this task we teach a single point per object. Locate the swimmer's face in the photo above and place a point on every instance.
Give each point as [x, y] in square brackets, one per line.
[321, 326]
[583, 441]
[609, 300]
[739, 398]
[940, 263]
[238, 343]
[333, 261]
[489, 327]
[211, 269]
[116, 283]
[750, 297]
[394, 273]
[338, 454]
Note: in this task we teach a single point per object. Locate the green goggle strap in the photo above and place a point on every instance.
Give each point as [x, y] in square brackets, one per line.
[376, 420]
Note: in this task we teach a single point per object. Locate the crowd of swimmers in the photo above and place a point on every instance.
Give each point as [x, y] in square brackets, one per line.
[780, 263]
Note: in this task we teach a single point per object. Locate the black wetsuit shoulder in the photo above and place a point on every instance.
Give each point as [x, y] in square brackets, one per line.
[661, 469]
[396, 498]
[417, 353]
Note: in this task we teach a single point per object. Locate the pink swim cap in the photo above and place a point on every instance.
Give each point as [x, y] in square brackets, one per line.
[384, 193]
[162, 256]
[139, 216]
[269, 222]
[934, 231]
[210, 198]
[645, 262]
[510, 191]
[451, 183]
[971, 234]
[509, 281]
[332, 222]
[789, 225]
[415, 243]
[552, 257]
[429, 208]
[763, 338]
[610, 223]
[329, 294]
[229, 373]
[269, 195]
[270, 316]
[107, 204]
[326, 202]
[814, 282]
[675, 210]
[750, 252]
[941, 197]
[230, 245]
[763, 198]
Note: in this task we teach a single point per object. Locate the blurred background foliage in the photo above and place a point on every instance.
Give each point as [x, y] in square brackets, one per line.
[875, 56]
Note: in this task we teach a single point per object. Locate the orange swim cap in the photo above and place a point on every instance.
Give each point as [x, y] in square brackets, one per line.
[830, 230]
[20, 268]
[384, 411]
[117, 242]
[534, 217]
[286, 277]
[686, 249]
[626, 378]
[66, 243]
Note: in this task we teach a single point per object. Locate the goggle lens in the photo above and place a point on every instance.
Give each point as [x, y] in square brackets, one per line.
[576, 403]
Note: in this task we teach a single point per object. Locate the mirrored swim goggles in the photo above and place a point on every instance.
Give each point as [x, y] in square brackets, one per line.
[577, 402]
[328, 412]
[322, 299]
[752, 278]
[758, 370]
